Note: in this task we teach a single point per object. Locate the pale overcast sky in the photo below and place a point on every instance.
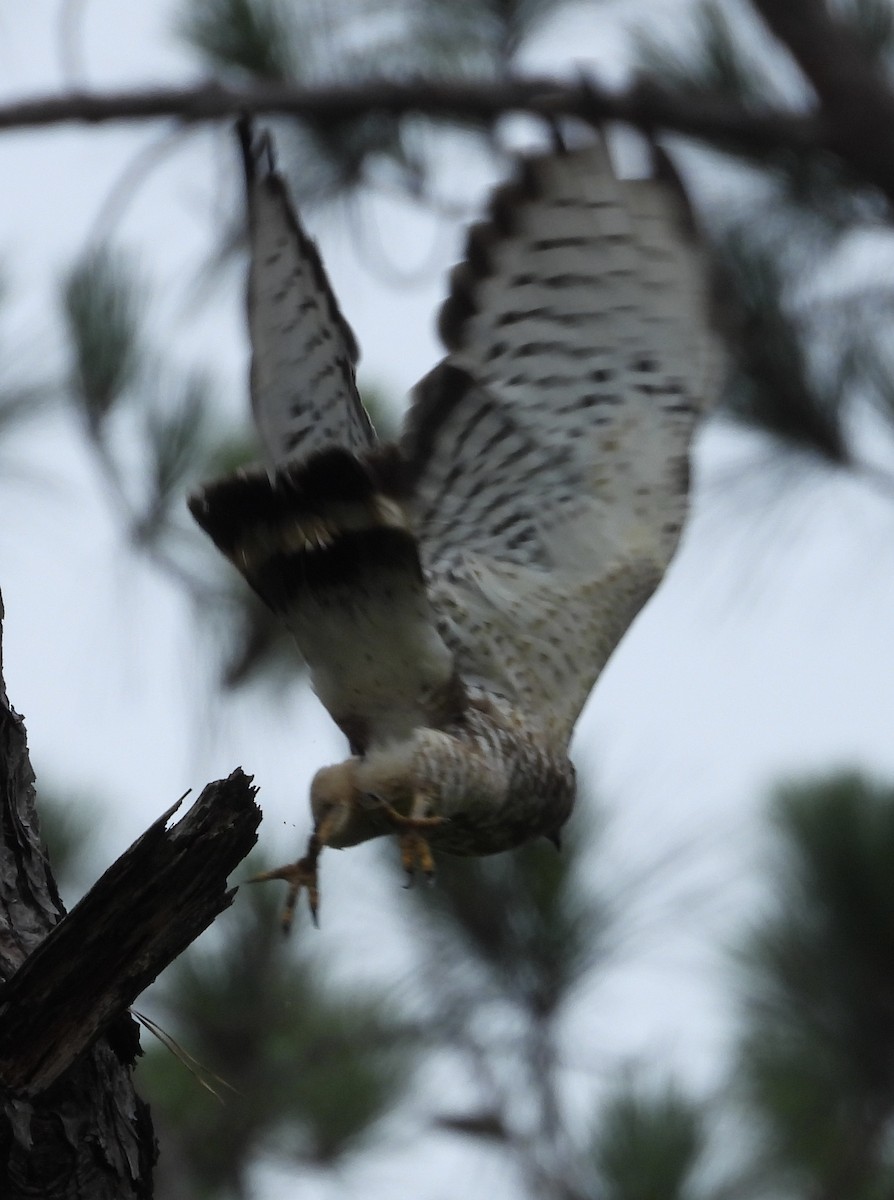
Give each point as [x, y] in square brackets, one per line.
[766, 654]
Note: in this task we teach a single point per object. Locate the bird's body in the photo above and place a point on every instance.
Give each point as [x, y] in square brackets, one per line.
[495, 783]
[456, 594]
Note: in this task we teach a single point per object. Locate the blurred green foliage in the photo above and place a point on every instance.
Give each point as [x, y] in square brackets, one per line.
[799, 368]
[714, 61]
[817, 1057]
[648, 1144]
[302, 1072]
[773, 387]
[176, 437]
[474, 40]
[499, 948]
[520, 922]
[873, 21]
[257, 37]
[103, 305]
[349, 41]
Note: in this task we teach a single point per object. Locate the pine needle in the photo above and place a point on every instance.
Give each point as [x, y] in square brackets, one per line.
[192, 1064]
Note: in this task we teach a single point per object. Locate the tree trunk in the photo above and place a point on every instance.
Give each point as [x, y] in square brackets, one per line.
[71, 1124]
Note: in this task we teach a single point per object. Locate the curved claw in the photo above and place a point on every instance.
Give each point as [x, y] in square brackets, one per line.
[415, 854]
[300, 876]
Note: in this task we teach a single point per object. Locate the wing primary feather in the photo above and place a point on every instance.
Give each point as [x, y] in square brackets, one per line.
[253, 147]
[304, 353]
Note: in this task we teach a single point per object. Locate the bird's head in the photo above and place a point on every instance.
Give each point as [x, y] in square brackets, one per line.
[349, 801]
[334, 804]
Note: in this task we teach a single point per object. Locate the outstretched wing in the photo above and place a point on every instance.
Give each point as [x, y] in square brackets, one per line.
[335, 560]
[319, 543]
[303, 393]
[549, 451]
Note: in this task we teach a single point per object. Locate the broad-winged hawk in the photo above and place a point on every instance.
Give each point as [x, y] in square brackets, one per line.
[456, 594]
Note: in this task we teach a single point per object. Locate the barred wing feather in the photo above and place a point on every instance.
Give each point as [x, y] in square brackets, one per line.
[317, 540]
[549, 450]
[540, 486]
[303, 393]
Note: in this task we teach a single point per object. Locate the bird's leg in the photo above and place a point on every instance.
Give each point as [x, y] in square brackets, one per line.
[301, 875]
[415, 852]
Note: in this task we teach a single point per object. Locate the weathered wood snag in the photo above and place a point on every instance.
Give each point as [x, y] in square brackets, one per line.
[71, 1124]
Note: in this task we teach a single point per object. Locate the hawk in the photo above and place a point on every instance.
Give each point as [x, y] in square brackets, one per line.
[456, 594]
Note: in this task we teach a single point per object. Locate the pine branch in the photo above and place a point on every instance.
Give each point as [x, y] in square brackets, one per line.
[857, 104]
[825, 48]
[646, 106]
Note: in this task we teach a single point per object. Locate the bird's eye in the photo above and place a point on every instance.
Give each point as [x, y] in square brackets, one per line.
[369, 800]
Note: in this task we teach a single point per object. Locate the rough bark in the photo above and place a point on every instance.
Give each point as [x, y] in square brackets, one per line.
[71, 1125]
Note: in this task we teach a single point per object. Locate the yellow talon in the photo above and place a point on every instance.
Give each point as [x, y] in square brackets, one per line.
[300, 876]
[415, 853]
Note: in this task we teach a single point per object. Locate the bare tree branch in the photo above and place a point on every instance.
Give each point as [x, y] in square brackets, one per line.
[645, 106]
